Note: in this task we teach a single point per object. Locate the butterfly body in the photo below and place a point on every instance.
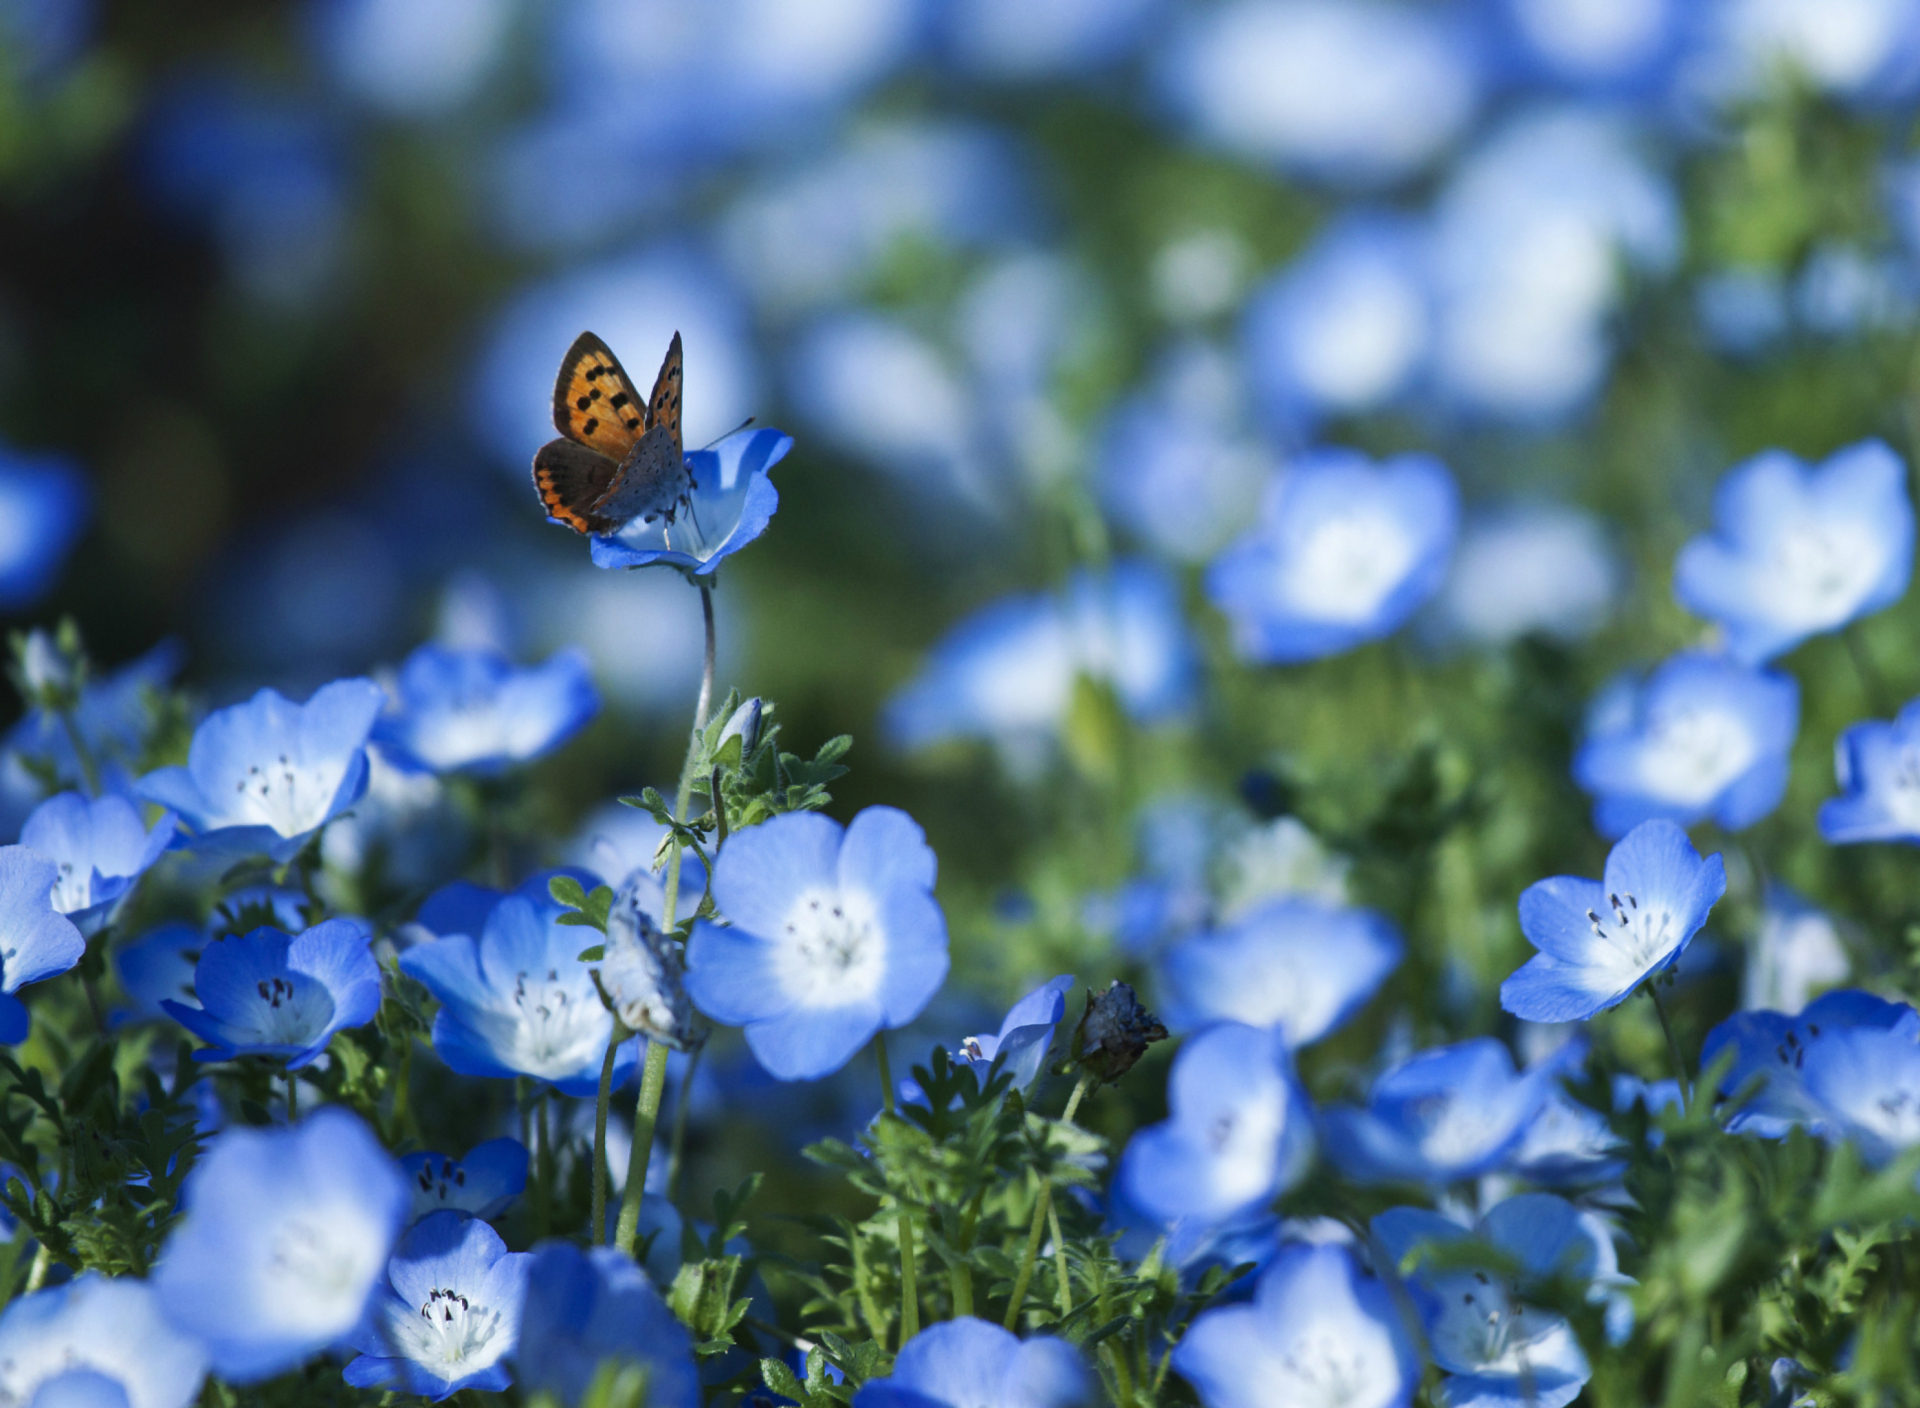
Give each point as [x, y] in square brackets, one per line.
[619, 458]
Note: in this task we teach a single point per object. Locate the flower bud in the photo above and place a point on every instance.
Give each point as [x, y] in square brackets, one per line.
[643, 973]
[744, 724]
[1114, 1032]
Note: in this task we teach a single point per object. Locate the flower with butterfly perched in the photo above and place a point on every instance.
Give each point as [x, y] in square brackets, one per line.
[620, 473]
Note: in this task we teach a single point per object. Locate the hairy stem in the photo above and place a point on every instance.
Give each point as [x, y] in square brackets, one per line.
[599, 1231]
[1042, 1208]
[909, 1279]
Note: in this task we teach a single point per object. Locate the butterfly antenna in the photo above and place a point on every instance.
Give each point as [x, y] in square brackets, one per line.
[735, 431]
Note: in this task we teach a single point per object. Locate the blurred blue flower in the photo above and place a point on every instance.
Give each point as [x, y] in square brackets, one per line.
[270, 994]
[1494, 1349]
[1007, 672]
[1600, 939]
[412, 58]
[1748, 48]
[101, 849]
[263, 776]
[159, 965]
[1318, 1330]
[1596, 46]
[40, 37]
[112, 1330]
[1359, 93]
[831, 935]
[584, 1309]
[962, 1362]
[44, 503]
[284, 1244]
[1742, 310]
[36, 940]
[1878, 768]
[1530, 567]
[1799, 551]
[1344, 553]
[1795, 953]
[1347, 327]
[1239, 1131]
[1701, 737]
[448, 1315]
[1025, 1035]
[475, 711]
[112, 719]
[1865, 1083]
[481, 1184]
[1441, 1115]
[1569, 1144]
[1770, 1051]
[515, 1000]
[1025, 40]
[733, 502]
[1298, 966]
[1846, 291]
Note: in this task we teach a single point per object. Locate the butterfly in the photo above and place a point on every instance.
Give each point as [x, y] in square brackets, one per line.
[619, 459]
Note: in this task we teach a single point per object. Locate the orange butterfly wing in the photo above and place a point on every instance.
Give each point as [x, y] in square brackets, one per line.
[571, 479]
[594, 404]
[663, 407]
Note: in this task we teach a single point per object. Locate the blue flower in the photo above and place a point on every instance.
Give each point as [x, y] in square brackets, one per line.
[1770, 1052]
[964, 1362]
[832, 935]
[1878, 767]
[1344, 553]
[449, 1314]
[1530, 567]
[1568, 1145]
[733, 502]
[492, 1175]
[1239, 1131]
[1865, 1083]
[112, 1331]
[1702, 737]
[1796, 953]
[112, 717]
[101, 849]
[408, 58]
[1025, 1035]
[285, 1241]
[263, 776]
[1177, 476]
[269, 994]
[584, 1309]
[1600, 939]
[517, 1000]
[36, 940]
[1299, 966]
[1018, 39]
[1318, 1331]
[1007, 673]
[44, 503]
[159, 965]
[1441, 1115]
[1345, 328]
[475, 711]
[1496, 1351]
[1611, 49]
[1799, 551]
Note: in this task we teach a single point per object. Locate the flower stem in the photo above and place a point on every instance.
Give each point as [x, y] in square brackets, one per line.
[543, 1166]
[646, 1115]
[598, 1230]
[293, 1097]
[670, 909]
[1673, 1048]
[1873, 685]
[1042, 1207]
[909, 1271]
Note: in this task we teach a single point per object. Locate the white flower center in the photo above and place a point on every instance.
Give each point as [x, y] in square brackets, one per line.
[452, 1335]
[553, 1028]
[1637, 938]
[285, 796]
[1820, 571]
[1245, 1141]
[283, 1011]
[831, 951]
[318, 1266]
[1336, 1368]
[1452, 1132]
[1691, 755]
[1347, 568]
[72, 888]
[1902, 789]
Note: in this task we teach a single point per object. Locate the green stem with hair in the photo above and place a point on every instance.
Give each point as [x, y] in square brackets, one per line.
[909, 1271]
[1042, 1208]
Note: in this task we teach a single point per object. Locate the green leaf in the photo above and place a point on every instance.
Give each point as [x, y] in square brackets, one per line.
[567, 891]
[594, 954]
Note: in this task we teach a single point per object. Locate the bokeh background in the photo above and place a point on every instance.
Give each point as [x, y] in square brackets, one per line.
[1037, 285]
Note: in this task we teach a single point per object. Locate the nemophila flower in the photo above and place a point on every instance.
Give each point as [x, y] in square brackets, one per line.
[36, 940]
[270, 994]
[1600, 939]
[1003, 39]
[965, 1362]
[1878, 768]
[1767, 1053]
[1318, 1333]
[832, 935]
[516, 1000]
[1496, 1350]
[1568, 1144]
[285, 1241]
[1865, 1083]
[1800, 550]
[1442, 1115]
[476, 711]
[1701, 738]
[1025, 1035]
[1603, 48]
[733, 500]
[1526, 568]
[44, 502]
[1239, 1130]
[586, 1308]
[1344, 552]
[491, 1175]
[263, 776]
[112, 1331]
[1796, 953]
[159, 965]
[1007, 673]
[101, 849]
[449, 1315]
[1298, 966]
[112, 718]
